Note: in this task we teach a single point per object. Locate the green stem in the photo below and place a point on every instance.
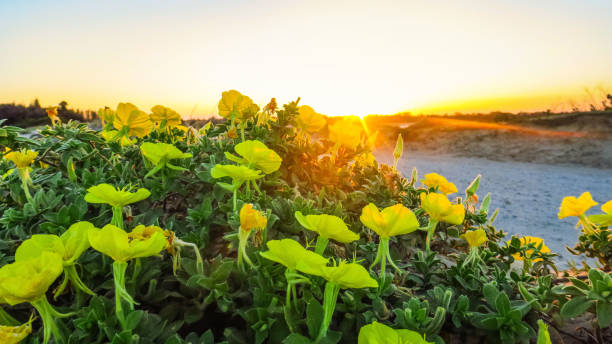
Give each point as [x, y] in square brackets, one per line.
[24, 174]
[196, 250]
[242, 125]
[121, 293]
[329, 305]
[255, 186]
[383, 247]
[287, 308]
[243, 237]
[431, 227]
[26, 190]
[137, 269]
[388, 255]
[235, 198]
[321, 245]
[378, 256]
[71, 275]
[117, 219]
[48, 315]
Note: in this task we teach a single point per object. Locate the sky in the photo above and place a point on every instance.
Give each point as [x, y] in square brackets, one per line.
[340, 57]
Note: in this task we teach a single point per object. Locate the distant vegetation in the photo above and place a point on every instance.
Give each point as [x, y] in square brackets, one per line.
[34, 114]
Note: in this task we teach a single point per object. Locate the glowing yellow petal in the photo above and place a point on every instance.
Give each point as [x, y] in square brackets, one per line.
[346, 132]
[439, 208]
[433, 180]
[136, 122]
[572, 206]
[328, 226]
[475, 238]
[119, 245]
[161, 113]
[345, 275]
[239, 174]
[308, 120]
[161, 152]
[250, 218]
[289, 252]
[391, 221]
[257, 155]
[234, 104]
[28, 280]
[15, 334]
[526, 240]
[105, 193]
[23, 158]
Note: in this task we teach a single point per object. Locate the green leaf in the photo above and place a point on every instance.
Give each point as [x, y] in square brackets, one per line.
[295, 338]
[604, 314]
[502, 304]
[576, 307]
[133, 319]
[490, 293]
[579, 284]
[314, 317]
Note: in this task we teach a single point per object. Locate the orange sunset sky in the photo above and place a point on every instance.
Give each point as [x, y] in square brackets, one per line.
[342, 58]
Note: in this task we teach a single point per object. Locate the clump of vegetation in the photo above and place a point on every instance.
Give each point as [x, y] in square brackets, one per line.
[270, 227]
[35, 115]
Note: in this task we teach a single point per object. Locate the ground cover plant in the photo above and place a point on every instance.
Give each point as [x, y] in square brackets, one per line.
[273, 226]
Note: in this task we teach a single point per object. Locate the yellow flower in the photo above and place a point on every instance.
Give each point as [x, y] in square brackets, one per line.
[235, 105]
[346, 132]
[289, 252]
[108, 194]
[475, 238]
[15, 334]
[526, 240]
[433, 180]
[75, 241]
[107, 115]
[308, 120]
[52, 113]
[239, 174]
[70, 245]
[328, 226]
[121, 246]
[160, 155]
[377, 333]
[257, 155]
[142, 232]
[251, 219]
[28, 280]
[23, 158]
[391, 221]
[345, 275]
[165, 117]
[131, 121]
[572, 206]
[606, 218]
[441, 209]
